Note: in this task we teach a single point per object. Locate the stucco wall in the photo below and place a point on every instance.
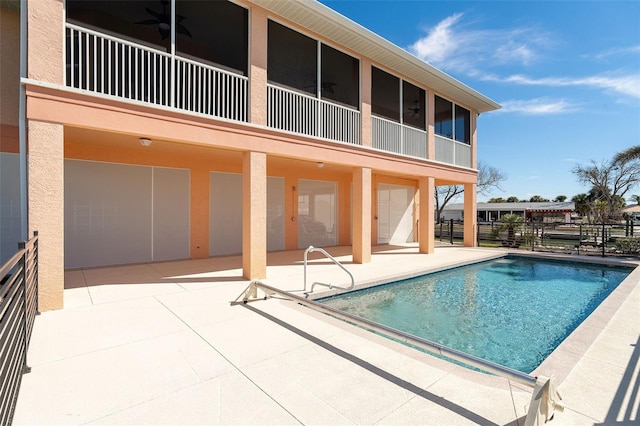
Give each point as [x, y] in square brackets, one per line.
[46, 40]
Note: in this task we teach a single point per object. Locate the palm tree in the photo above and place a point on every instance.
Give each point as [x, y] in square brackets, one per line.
[636, 198]
[583, 205]
[538, 199]
[627, 155]
[509, 224]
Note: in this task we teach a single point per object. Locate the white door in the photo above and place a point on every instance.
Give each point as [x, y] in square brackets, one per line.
[395, 214]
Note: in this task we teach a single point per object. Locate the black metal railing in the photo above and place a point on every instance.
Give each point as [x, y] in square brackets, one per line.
[18, 309]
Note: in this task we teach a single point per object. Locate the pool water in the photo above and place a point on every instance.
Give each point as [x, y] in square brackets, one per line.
[513, 311]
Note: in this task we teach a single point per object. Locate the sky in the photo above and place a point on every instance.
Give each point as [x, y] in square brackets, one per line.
[567, 74]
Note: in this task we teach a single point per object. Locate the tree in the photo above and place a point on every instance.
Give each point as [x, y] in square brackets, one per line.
[509, 223]
[582, 205]
[538, 199]
[496, 200]
[488, 178]
[636, 198]
[629, 154]
[512, 199]
[610, 181]
[561, 199]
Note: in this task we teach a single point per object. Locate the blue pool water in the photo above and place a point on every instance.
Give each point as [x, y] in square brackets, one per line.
[513, 311]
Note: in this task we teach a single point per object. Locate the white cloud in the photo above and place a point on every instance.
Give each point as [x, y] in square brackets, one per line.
[452, 46]
[455, 47]
[628, 85]
[439, 43]
[538, 106]
[620, 51]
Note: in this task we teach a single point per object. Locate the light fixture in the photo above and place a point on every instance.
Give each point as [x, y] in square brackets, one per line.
[320, 164]
[145, 141]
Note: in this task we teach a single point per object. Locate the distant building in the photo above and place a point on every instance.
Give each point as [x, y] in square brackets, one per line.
[488, 212]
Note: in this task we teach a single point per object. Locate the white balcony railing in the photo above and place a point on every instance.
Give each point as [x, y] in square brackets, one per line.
[394, 137]
[112, 66]
[452, 152]
[299, 113]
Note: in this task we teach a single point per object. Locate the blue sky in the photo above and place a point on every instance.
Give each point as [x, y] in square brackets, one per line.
[567, 74]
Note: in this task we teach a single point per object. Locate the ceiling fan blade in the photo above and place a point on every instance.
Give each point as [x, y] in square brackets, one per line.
[148, 22]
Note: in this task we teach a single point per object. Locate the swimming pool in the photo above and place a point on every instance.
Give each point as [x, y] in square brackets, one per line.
[513, 311]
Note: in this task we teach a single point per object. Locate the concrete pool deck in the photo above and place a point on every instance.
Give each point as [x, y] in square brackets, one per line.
[160, 344]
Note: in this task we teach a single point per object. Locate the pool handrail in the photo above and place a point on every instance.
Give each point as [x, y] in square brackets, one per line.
[545, 398]
[328, 256]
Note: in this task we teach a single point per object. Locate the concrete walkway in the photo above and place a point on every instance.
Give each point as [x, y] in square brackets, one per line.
[161, 344]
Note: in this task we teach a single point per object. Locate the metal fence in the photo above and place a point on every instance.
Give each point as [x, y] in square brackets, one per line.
[602, 239]
[18, 308]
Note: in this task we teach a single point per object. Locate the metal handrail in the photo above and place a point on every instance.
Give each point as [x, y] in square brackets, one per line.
[544, 400]
[328, 256]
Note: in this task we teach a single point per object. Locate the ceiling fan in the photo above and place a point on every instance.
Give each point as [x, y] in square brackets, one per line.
[163, 21]
[415, 110]
[325, 86]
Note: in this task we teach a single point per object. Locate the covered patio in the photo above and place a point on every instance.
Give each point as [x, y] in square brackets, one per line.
[159, 343]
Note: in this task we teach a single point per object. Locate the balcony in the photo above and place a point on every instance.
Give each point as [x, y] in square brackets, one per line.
[391, 136]
[298, 113]
[452, 152]
[110, 66]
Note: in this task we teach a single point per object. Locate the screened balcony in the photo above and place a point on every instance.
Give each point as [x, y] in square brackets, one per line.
[313, 88]
[452, 133]
[398, 123]
[124, 49]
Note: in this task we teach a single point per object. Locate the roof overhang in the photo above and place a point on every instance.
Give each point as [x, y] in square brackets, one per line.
[545, 211]
[341, 30]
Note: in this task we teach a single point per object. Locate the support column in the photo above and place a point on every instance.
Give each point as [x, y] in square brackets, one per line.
[254, 215]
[470, 215]
[365, 107]
[46, 208]
[361, 215]
[426, 233]
[258, 67]
[431, 119]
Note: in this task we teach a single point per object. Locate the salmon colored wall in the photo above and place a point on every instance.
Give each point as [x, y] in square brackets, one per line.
[46, 40]
[46, 209]
[254, 215]
[9, 69]
[258, 66]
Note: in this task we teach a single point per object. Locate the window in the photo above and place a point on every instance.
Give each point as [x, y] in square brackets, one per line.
[385, 94]
[215, 31]
[126, 19]
[413, 106]
[340, 77]
[388, 101]
[463, 125]
[292, 59]
[453, 126]
[444, 118]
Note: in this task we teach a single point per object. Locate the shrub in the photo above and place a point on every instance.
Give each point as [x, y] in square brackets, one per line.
[628, 245]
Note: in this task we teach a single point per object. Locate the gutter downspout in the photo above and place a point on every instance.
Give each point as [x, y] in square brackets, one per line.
[22, 125]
